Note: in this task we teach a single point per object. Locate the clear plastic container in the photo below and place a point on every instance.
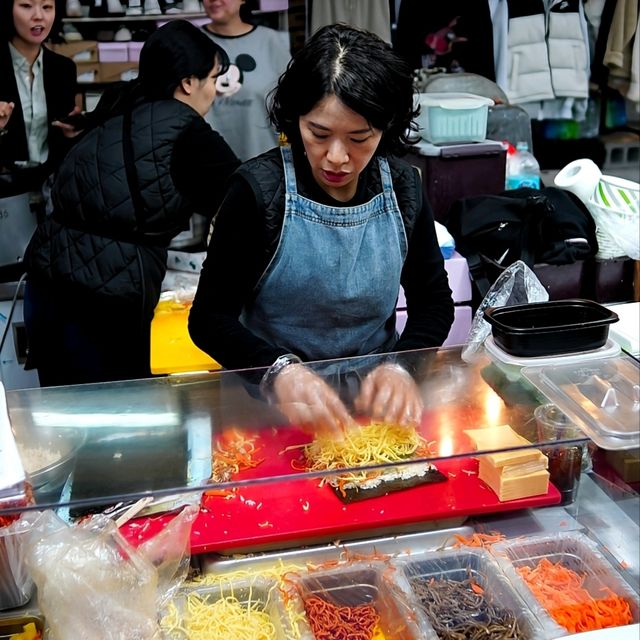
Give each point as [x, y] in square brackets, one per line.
[260, 594]
[371, 584]
[573, 551]
[490, 600]
[602, 397]
[453, 117]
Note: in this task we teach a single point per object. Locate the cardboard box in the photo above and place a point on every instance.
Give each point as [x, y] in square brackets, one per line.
[88, 72]
[116, 71]
[81, 51]
[133, 49]
[113, 52]
[274, 5]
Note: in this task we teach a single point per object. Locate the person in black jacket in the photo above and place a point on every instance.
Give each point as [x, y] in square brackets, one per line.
[123, 192]
[37, 89]
[313, 239]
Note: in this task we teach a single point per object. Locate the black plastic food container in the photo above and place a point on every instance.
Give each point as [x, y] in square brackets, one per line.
[550, 328]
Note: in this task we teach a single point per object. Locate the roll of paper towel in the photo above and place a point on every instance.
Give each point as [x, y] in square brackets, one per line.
[580, 177]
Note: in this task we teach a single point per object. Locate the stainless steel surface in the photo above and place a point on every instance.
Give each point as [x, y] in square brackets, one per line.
[65, 442]
[397, 546]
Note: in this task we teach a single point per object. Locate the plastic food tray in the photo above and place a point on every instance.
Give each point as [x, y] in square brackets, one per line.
[364, 583]
[257, 591]
[512, 365]
[602, 397]
[550, 328]
[576, 552]
[458, 565]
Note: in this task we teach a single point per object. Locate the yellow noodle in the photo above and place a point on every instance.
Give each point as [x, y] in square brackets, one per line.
[375, 443]
[223, 619]
[277, 573]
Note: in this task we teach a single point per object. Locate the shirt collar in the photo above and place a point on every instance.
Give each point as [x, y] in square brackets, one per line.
[21, 63]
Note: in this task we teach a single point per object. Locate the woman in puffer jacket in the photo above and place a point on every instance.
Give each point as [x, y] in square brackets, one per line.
[128, 187]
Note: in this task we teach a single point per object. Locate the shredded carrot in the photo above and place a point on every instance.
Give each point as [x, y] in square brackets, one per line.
[561, 592]
[476, 588]
[478, 539]
[222, 493]
[233, 453]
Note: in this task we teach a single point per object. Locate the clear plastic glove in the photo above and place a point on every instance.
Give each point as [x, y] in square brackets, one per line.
[306, 399]
[390, 394]
[6, 109]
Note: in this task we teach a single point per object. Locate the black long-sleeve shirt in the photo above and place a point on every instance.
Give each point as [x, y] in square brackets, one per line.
[240, 251]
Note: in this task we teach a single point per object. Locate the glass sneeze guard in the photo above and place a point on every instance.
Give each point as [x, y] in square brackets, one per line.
[102, 444]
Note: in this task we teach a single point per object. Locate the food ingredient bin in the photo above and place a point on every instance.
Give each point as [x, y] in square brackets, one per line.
[359, 594]
[464, 592]
[567, 582]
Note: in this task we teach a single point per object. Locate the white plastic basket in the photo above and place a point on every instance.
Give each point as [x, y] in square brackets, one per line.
[453, 117]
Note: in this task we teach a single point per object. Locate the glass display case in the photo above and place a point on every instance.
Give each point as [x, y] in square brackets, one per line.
[480, 460]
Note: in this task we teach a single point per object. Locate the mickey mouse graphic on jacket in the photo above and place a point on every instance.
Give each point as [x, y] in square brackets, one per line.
[258, 56]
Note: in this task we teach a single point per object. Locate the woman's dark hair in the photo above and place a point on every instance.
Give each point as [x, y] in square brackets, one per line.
[8, 28]
[361, 70]
[177, 50]
[246, 10]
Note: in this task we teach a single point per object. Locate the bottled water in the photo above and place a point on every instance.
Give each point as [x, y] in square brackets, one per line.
[523, 169]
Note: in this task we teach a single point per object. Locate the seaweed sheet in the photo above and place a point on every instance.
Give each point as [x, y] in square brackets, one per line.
[355, 494]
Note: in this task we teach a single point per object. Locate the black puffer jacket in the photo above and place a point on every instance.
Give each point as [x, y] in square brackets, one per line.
[95, 240]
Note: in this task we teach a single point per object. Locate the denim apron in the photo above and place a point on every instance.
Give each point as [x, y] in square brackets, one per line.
[333, 282]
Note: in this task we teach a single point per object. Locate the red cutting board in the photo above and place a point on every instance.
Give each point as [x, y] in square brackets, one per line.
[299, 511]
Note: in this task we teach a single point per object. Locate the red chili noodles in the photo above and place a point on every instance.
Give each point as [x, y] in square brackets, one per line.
[330, 622]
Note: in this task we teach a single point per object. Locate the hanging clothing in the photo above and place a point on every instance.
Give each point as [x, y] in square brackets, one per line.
[548, 57]
[455, 35]
[620, 43]
[372, 15]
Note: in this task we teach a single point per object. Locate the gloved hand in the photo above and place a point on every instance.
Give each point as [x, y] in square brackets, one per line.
[306, 399]
[390, 394]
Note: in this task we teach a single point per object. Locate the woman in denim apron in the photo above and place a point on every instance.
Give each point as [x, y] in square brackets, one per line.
[314, 239]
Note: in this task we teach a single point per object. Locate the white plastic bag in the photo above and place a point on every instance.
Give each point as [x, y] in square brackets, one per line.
[93, 584]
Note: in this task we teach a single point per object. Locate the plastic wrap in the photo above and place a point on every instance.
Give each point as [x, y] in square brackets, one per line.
[573, 551]
[486, 605]
[517, 284]
[16, 585]
[617, 232]
[368, 592]
[93, 584]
